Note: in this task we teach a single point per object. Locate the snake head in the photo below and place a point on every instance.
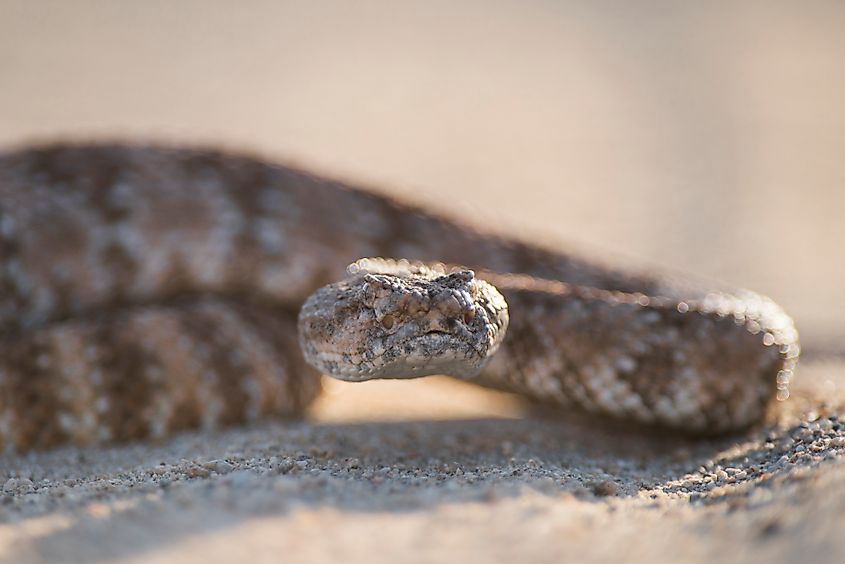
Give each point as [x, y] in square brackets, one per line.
[394, 319]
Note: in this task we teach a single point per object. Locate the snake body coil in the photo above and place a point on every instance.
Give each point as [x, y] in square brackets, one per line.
[146, 289]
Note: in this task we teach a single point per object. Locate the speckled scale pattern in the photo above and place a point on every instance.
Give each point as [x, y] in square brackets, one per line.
[685, 365]
[146, 289]
[150, 371]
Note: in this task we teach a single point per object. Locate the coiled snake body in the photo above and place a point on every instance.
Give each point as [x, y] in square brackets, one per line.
[145, 290]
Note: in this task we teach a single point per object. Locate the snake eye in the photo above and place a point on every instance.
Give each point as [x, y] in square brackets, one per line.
[387, 321]
[469, 315]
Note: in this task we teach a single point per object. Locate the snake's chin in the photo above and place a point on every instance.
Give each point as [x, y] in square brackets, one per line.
[425, 355]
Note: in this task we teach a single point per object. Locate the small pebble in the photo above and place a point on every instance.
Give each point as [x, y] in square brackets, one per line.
[605, 488]
[222, 467]
[197, 472]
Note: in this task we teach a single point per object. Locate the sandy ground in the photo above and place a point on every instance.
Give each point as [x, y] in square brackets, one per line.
[706, 137]
[478, 484]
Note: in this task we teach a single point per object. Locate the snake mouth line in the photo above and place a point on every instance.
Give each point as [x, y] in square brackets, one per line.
[430, 353]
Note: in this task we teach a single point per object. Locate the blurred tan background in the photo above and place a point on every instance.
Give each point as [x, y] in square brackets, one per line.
[708, 137]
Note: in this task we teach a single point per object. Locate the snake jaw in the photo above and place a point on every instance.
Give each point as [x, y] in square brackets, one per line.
[403, 321]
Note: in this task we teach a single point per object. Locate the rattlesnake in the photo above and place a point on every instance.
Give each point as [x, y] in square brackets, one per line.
[148, 289]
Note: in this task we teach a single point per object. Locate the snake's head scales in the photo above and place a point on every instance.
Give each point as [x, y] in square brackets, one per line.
[395, 319]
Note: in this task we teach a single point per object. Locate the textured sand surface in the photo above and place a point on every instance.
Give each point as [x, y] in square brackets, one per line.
[399, 488]
[675, 133]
